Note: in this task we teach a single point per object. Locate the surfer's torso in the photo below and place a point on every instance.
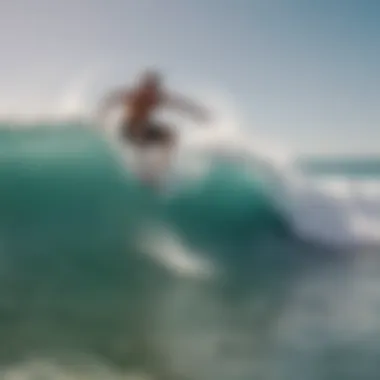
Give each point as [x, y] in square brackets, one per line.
[140, 107]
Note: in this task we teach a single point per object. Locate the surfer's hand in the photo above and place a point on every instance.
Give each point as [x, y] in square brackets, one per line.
[204, 117]
[201, 114]
[101, 115]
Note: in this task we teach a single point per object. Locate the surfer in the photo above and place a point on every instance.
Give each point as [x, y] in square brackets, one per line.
[140, 103]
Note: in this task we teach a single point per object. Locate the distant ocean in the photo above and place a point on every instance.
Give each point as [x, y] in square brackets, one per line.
[230, 275]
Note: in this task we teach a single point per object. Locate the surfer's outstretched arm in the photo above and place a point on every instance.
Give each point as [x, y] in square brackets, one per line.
[198, 112]
[113, 98]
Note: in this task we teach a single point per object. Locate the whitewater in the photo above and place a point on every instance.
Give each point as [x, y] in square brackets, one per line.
[250, 265]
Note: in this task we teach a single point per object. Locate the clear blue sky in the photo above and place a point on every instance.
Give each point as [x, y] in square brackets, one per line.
[305, 72]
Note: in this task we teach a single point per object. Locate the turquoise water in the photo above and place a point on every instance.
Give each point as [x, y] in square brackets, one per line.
[83, 291]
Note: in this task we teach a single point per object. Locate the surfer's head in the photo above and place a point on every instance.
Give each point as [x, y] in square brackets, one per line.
[151, 79]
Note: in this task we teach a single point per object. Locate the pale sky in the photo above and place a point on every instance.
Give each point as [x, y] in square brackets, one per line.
[303, 72]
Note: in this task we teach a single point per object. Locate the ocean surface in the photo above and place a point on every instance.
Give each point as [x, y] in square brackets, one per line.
[231, 273]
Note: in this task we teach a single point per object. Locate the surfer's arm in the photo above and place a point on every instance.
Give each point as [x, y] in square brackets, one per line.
[112, 99]
[198, 112]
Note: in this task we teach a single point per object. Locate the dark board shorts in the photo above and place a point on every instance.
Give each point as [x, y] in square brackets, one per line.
[152, 133]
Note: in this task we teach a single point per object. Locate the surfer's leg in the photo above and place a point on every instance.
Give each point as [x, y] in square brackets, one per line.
[161, 136]
[152, 135]
[137, 143]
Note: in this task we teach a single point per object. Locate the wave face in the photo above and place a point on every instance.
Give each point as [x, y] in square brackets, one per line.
[67, 179]
[100, 274]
